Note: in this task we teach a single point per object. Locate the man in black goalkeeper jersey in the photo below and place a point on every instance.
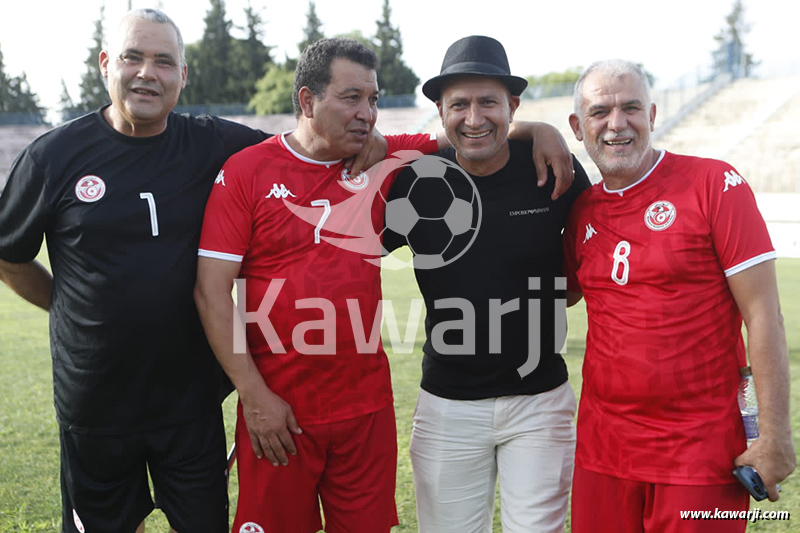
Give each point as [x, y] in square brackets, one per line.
[120, 195]
[494, 398]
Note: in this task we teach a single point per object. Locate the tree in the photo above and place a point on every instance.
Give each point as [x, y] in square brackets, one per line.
[3, 83]
[394, 77]
[562, 83]
[553, 83]
[358, 35]
[250, 58]
[192, 92]
[93, 92]
[274, 91]
[224, 69]
[730, 55]
[16, 95]
[313, 30]
[209, 60]
[66, 105]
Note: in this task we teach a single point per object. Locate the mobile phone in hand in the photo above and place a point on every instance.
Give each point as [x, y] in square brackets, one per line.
[748, 477]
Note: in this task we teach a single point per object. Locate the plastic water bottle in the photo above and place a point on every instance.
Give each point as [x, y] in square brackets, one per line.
[748, 405]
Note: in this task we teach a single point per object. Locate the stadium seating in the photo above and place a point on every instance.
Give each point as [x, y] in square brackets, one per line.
[12, 140]
[751, 123]
[747, 124]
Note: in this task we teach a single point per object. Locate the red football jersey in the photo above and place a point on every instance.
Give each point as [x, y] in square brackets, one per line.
[664, 344]
[303, 231]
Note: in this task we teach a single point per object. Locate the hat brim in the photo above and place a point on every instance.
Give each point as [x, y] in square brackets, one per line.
[432, 88]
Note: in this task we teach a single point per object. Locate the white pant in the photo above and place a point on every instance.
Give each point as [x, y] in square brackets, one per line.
[458, 448]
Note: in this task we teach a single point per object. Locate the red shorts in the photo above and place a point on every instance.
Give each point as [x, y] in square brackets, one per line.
[603, 503]
[350, 467]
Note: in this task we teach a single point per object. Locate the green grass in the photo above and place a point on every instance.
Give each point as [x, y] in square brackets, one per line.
[29, 458]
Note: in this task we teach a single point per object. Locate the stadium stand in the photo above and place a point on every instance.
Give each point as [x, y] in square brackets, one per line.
[739, 125]
[12, 140]
[770, 150]
[751, 123]
[390, 120]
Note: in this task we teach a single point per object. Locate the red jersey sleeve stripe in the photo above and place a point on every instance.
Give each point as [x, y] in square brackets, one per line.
[220, 255]
[750, 263]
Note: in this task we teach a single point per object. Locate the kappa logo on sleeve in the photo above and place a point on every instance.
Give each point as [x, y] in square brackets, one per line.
[732, 179]
[590, 232]
[220, 178]
[280, 191]
[90, 189]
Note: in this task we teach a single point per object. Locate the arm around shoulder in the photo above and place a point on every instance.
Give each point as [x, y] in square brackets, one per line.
[549, 149]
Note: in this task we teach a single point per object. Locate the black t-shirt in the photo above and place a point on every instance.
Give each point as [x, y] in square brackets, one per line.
[518, 239]
[122, 219]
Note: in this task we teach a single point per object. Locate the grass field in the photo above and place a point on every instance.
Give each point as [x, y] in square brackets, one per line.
[29, 459]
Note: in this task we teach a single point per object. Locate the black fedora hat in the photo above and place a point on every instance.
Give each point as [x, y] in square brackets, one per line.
[475, 55]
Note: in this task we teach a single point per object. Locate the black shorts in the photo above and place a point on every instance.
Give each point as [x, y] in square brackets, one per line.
[104, 485]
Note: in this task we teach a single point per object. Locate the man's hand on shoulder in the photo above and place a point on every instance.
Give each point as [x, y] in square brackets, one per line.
[549, 149]
[373, 152]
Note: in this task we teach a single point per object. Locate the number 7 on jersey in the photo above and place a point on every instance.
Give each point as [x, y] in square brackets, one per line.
[326, 205]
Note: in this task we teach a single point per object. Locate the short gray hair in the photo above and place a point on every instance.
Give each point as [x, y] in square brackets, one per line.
[155, 15]
[614, 68]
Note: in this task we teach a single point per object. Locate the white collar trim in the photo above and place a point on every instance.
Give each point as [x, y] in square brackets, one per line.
[327, 164]
[632, 185]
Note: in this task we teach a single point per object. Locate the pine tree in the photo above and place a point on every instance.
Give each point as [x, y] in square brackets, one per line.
[313, 30]
[394, 77]
[16, 95]
[23, 100]
[3, 84]
[250, 58]
[66, 105]
[93, 92]
[192, 93]
[209, 60]
[731, 55]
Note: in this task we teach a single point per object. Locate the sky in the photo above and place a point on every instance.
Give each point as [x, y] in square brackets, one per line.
[49, 39]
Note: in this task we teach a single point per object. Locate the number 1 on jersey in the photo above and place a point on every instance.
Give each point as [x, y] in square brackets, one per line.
[326, 204]
[151, 203]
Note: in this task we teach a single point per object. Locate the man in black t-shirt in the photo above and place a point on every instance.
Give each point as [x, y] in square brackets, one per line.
[494, 396]
[120, 195]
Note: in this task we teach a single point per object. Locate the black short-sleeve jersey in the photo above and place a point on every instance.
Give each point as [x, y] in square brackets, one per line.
[518, 240]
[122, 217]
